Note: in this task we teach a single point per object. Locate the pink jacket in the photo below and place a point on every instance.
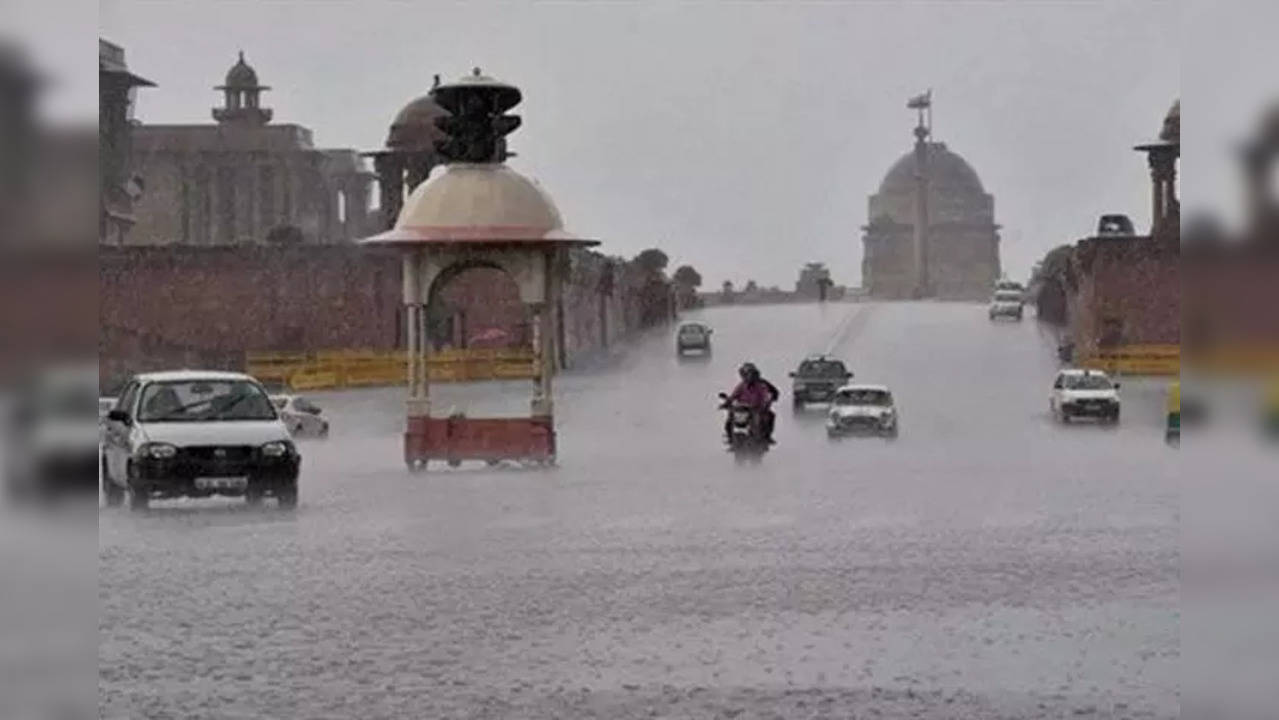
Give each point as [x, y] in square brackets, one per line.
[755, 395]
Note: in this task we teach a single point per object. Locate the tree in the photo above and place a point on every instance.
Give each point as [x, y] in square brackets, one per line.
[687, 276]
[751, 286]
[652, 261]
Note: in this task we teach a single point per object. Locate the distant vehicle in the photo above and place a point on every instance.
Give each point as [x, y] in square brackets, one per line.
[1172, 427]
[1013, 285]
[1066, 351]
[1115, 226]
[1084, 393]
[196, 433]
[48, 436]
[1006, 303]
[301, 416]
[862, 408]
[693, 337]
[816, 380]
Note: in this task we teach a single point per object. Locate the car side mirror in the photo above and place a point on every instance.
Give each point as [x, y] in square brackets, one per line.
[1116, 386]
[119, 416]
[792, 374]
[723, 396]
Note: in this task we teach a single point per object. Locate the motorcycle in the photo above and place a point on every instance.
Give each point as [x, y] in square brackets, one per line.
[746, 429]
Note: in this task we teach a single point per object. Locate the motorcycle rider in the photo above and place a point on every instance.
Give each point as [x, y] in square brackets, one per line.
[758, 394]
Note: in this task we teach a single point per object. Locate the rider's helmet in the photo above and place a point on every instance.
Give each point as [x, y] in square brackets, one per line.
[748, 371]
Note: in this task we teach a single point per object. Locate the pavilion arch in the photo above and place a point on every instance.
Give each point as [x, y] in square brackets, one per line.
[477, 302]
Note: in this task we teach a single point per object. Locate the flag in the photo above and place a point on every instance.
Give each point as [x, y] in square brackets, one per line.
[920, 101]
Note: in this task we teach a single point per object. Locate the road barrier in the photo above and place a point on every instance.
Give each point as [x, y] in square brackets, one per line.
[328, 369]
[1137, 360]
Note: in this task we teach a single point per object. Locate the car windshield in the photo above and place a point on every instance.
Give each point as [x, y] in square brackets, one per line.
[1087, 382]
[879, 398]
[822, 369]
[204, 400]
[692, 330]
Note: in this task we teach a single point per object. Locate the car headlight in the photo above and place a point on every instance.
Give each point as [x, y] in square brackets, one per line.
[279, 448]
[158, 451]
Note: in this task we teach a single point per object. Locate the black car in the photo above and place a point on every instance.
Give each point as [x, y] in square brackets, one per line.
[693, 337]
[817, 379]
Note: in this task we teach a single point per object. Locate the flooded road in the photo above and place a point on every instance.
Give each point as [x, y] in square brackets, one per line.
[986, 563]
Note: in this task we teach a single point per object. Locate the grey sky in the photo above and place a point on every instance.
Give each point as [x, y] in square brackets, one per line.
[743, 138]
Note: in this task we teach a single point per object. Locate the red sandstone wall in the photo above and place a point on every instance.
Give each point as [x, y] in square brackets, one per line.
[166, 306]
[1232, 297]
[183, 306]
[1127, 291]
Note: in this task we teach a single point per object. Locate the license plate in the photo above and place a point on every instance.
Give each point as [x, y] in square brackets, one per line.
[221, 483]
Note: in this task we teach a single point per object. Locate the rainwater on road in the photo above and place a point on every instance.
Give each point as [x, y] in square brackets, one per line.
[986, 563]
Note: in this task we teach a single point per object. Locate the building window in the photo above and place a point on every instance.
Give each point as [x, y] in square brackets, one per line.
[341, 203]
[203, 205]
[266, 197]
[226, 205]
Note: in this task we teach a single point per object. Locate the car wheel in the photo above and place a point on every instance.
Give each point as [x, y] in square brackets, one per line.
[324, 431]
[112, 493]
[287, 496]
[797, 404]
[138, 499]
[253, 494]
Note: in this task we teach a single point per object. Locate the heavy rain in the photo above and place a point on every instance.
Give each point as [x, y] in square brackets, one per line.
[641, 360]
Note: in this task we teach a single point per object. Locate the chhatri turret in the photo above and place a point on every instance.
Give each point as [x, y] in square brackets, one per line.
[479, 213]
[242, 96]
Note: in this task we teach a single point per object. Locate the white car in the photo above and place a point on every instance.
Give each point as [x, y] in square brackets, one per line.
[197, 433]
[1084, 393]
[862, 408]
[46, 435]
[301, 416]
[1006, 303]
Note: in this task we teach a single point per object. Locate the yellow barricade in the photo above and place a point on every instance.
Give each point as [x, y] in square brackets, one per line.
[314, 379]
[365, 368]
[1137, 360]
[1245, 359]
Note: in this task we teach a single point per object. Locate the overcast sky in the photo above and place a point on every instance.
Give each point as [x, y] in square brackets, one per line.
[742, 138]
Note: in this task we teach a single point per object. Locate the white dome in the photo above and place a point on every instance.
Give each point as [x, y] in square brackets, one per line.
[477, 203]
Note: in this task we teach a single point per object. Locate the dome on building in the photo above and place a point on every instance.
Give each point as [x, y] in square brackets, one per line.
[241, 75]
[477, 203]
[1171, 130]
[949, 172]
[414, 126]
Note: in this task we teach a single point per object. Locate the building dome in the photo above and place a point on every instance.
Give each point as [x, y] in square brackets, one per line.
[413, 128]
[477, 203]
[241, 75]
[948, 172]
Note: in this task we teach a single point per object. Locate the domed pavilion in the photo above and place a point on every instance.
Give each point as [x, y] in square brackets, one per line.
[956, 257]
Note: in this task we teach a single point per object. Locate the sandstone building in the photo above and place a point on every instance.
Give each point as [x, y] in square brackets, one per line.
[243, 179]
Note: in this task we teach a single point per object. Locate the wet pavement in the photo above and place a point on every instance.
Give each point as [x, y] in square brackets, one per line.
[986, 563]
